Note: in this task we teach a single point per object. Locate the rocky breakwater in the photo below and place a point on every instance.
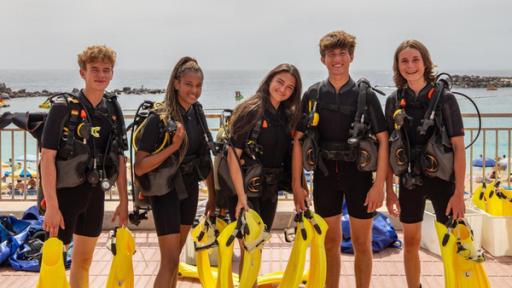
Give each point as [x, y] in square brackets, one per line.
[7, 93]
[472, 81]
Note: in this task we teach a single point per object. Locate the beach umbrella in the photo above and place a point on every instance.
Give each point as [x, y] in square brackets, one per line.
[25, 173]
[478, 162]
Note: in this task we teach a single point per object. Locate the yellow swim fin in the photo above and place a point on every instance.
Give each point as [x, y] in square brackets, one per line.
[187, 271]
[295, 268]
[204, 237]
[494, 204]
[226, 241]
[463, 265]
[270, 278]
[122, 246]
[52, 273]
[318, 261]
[507, 205]
[478, 196]
[190, 271]
[254, 237]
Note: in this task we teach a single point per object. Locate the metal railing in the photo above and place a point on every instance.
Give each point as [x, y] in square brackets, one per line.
[492, 143]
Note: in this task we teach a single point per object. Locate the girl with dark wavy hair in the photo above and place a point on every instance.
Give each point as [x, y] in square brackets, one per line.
[274, 111]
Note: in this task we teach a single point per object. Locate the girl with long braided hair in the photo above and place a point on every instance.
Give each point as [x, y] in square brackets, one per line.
[174, 207]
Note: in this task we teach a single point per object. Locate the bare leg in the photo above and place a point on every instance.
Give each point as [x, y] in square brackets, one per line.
[361, 235]
[412, 238]
[332, 249]
[184, 229]
[169, 260]
[81, 259]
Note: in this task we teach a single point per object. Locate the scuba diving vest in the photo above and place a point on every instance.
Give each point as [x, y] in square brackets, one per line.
[435, 158]
[254, 175]
[168, 175]
[220, 166]
[361, 147]
[77, 159]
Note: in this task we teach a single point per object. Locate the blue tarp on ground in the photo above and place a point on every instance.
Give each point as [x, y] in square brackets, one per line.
[383, 233]
[21, 241]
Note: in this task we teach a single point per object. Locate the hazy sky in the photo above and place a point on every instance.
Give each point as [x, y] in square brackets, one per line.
[255, 34]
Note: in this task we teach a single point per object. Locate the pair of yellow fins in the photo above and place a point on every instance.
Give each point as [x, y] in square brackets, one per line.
[53, 273]
[216, 234]
[310, 231]
[493, 199]
[463, 264]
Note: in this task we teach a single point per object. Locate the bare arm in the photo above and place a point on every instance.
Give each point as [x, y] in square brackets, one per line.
[382, 158]
[121, 184]
[456, 204]
[49, 176]
[210, 184]
[237, 178]
[299, 193]
[375, 196]
[389, 181]
[391, 198]
[459, 163]
[53, 217]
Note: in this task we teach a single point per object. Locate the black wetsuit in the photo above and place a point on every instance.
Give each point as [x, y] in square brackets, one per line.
[275, 140]
[344, 180]
[169, 211]
[82, 207]
[412, 202]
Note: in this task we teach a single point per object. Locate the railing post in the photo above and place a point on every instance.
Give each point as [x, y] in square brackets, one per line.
[12, 164]
[471, 163]
[508, 159]
[1, 174]
[25, 168]
[483, 156]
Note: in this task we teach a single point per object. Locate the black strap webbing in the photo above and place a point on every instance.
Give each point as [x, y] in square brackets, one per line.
[119, 126]
[364, 86]
[73, 121]
[204, 124]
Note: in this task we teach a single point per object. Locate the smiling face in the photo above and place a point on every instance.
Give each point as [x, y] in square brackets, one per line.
[337, 62]
[97, 75]
[189, 87]
[281, 87]
[411, 66]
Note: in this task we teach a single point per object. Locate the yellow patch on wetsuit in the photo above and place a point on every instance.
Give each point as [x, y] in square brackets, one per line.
[95, 131]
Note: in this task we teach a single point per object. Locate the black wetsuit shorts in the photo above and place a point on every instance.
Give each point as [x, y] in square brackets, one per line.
[170, 213]
[412, 202]
[82, 208]
[343, 181]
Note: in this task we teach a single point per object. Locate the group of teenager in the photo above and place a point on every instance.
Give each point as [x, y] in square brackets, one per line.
[277, 120]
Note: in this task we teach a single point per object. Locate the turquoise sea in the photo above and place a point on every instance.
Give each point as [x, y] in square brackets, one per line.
[219, 89]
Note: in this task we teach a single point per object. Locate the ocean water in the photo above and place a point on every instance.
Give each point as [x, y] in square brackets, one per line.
[219, 89]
